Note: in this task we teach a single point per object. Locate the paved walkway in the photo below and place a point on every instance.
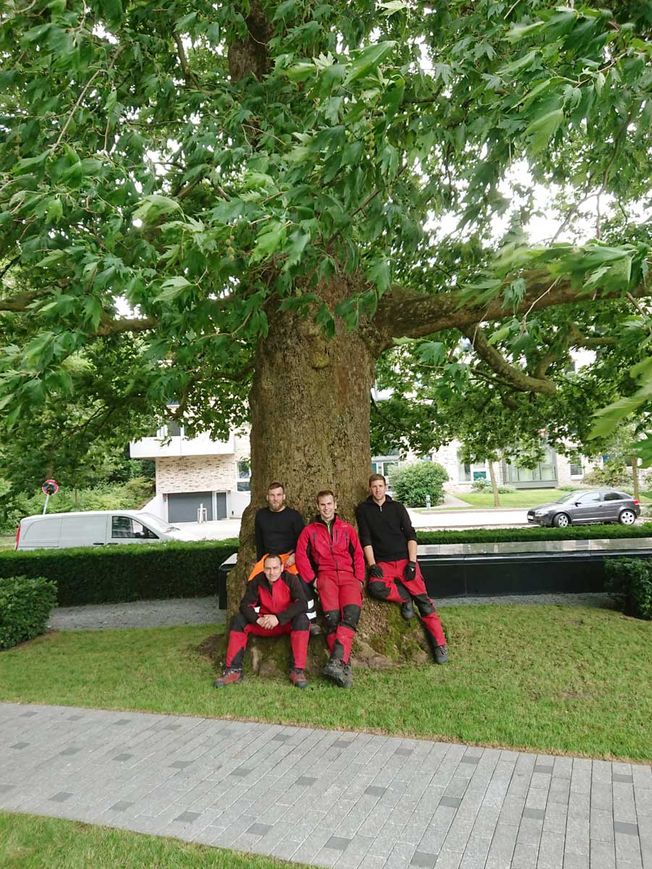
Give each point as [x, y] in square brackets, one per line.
[205, 610]
[323, 797]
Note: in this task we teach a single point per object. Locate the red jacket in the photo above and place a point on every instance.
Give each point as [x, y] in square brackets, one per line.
[322, 551]
[284, 598]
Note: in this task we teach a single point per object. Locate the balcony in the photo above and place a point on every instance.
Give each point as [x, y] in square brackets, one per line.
[163, 446]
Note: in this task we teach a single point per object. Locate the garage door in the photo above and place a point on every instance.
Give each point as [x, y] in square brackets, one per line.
[184, 507]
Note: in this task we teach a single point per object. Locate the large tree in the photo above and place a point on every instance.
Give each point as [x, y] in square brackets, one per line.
[243, 204]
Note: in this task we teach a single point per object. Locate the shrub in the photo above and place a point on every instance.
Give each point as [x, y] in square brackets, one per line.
[506, 490]
[480, 485]
[25, 606]
[123, 573]
[613, 474]
[629, 583]
[413, 483]
[505, 535]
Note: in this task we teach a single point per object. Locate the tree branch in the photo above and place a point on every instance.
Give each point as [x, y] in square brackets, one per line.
[117, 327]
[18, 304]
[516, 378]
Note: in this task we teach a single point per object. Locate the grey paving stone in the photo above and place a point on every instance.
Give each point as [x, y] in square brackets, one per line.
[242, 772]
[626, 829]
[451, 802]
[121, 758]
[534, 813]
[421, 858]
[4, 789]
[187, 817]
[403, 752]
[602, 856]
[282, 737]
[375, 791]
[259, 829]
[623, 777]
[121, 806]
[70, 750]
[19, 745]
[338, 843]
[473, 759]
[61, 797]
[544, 767]
[181, 764]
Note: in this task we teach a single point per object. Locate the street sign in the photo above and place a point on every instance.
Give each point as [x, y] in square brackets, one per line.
[49, 487]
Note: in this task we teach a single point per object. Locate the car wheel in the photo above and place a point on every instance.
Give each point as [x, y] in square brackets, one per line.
[561, 520]
[627, 517]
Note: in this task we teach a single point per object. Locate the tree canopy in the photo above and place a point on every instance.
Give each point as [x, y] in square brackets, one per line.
[176, 179]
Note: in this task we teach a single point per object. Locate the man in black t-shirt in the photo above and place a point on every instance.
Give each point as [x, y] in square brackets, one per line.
[389, 543]
[277, 528]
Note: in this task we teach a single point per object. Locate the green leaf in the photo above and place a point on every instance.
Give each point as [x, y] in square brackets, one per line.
[542, 129]
[153, 206]
[380, 274]
[368, 60]
[268, 242]
[299, 240]
[172, 288]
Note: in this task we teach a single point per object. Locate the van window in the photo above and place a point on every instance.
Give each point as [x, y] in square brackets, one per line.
[125, 526]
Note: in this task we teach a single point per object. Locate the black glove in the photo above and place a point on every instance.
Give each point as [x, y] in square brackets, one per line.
[410, 570]
[375, 571]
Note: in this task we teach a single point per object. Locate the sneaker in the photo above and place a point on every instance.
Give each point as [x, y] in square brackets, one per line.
[441, 654]
[333, 670]
[298, 679]
[230, 677]
[407, 610]
[315, 630]
[346, 680]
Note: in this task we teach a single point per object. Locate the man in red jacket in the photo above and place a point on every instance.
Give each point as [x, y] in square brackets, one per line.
[329, 554]
[273, 604]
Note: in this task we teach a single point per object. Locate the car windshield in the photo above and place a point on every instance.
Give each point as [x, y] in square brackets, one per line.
[569, 496]
[156, 523]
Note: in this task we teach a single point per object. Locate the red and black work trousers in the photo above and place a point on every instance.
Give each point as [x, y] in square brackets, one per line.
[395, 588]
[241, 629]
[340, 594]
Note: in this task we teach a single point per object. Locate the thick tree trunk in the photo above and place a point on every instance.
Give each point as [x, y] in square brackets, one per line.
[310, 407]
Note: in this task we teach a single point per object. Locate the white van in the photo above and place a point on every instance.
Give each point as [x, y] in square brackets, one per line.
[95, 528]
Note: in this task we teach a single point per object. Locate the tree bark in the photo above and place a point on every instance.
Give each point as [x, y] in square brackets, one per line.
[494, 483]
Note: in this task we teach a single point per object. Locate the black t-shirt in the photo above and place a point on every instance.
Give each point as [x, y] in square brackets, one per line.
[277, 532]
[387, 529]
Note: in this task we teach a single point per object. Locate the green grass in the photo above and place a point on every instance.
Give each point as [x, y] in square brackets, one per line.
[548, 678]
[29, 842]
[7, 541]
[522, 498]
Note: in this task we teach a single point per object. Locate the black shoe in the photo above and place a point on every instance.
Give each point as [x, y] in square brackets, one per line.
[315, 630]
[407, 610]
[333, 670]
[346, 680]
[298, 678]
[441, 654]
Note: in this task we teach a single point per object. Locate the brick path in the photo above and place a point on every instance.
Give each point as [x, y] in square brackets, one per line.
[325, 797]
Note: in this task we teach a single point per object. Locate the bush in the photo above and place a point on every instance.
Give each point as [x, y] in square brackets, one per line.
[613, 474]
[480, 485]
[516, 535]
[629, 583]
[506, 490]
[123, 573]
[413, 483]
[25, 606]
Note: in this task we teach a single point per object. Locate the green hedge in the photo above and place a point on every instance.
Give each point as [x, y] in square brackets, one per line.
[123, 573]
[25, 607]
[509, 535]
[629, 582]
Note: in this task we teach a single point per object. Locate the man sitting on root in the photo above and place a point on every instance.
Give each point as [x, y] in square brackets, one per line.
[273, 604]
[390, 547]
[328, 551]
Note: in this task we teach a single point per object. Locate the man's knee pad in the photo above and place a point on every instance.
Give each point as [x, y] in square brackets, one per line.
[332, 619]
[300, 622]
[424, 604]
[238, 622]
[378, 590]
[351, 615]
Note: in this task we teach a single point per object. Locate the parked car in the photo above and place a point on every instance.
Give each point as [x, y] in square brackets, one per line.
[95, 528]
[582, 507]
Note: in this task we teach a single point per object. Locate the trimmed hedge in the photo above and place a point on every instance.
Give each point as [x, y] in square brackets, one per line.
[123, 573]
[513, 535]
[629, 583]
[25, 607]
[160, 570]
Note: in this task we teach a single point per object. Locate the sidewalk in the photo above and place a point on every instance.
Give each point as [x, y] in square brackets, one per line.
[329, 798]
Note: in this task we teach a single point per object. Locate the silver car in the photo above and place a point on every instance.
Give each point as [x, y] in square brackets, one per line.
[581, 507]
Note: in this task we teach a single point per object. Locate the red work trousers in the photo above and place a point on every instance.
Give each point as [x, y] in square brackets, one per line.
[239, 636]
[416, 588]
[341, 600]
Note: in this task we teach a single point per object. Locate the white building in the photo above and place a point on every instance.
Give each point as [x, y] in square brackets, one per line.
[196, 478]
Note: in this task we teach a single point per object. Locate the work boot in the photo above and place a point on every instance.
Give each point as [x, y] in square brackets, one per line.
[298, 678]
[230, 677]
[346, 680]
[315, 630]
[407, 610]
[333, 670]
[441, 654]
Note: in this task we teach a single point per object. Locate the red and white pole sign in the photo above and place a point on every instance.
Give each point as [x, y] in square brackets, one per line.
[49, 487]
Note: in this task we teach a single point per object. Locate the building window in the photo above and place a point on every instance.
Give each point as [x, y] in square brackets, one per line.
[576, 469]
[384, 465]
[243, 483]
[467, 473]
[173, 429]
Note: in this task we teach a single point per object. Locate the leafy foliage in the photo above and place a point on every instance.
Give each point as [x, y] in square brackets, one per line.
[416, 483]
[175, 178]
[25, 606]
[124, 573]
[629, 582]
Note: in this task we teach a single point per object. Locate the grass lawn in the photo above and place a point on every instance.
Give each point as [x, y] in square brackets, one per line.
[29, 842]
[522, 498]
[549, 678]
[7, 541]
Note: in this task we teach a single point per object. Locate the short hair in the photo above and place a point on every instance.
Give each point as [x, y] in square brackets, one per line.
[375, 477]
[275, 485]
[325, 493]
[273, 555]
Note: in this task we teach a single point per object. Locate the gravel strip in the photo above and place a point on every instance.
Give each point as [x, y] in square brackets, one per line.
[205, 610]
